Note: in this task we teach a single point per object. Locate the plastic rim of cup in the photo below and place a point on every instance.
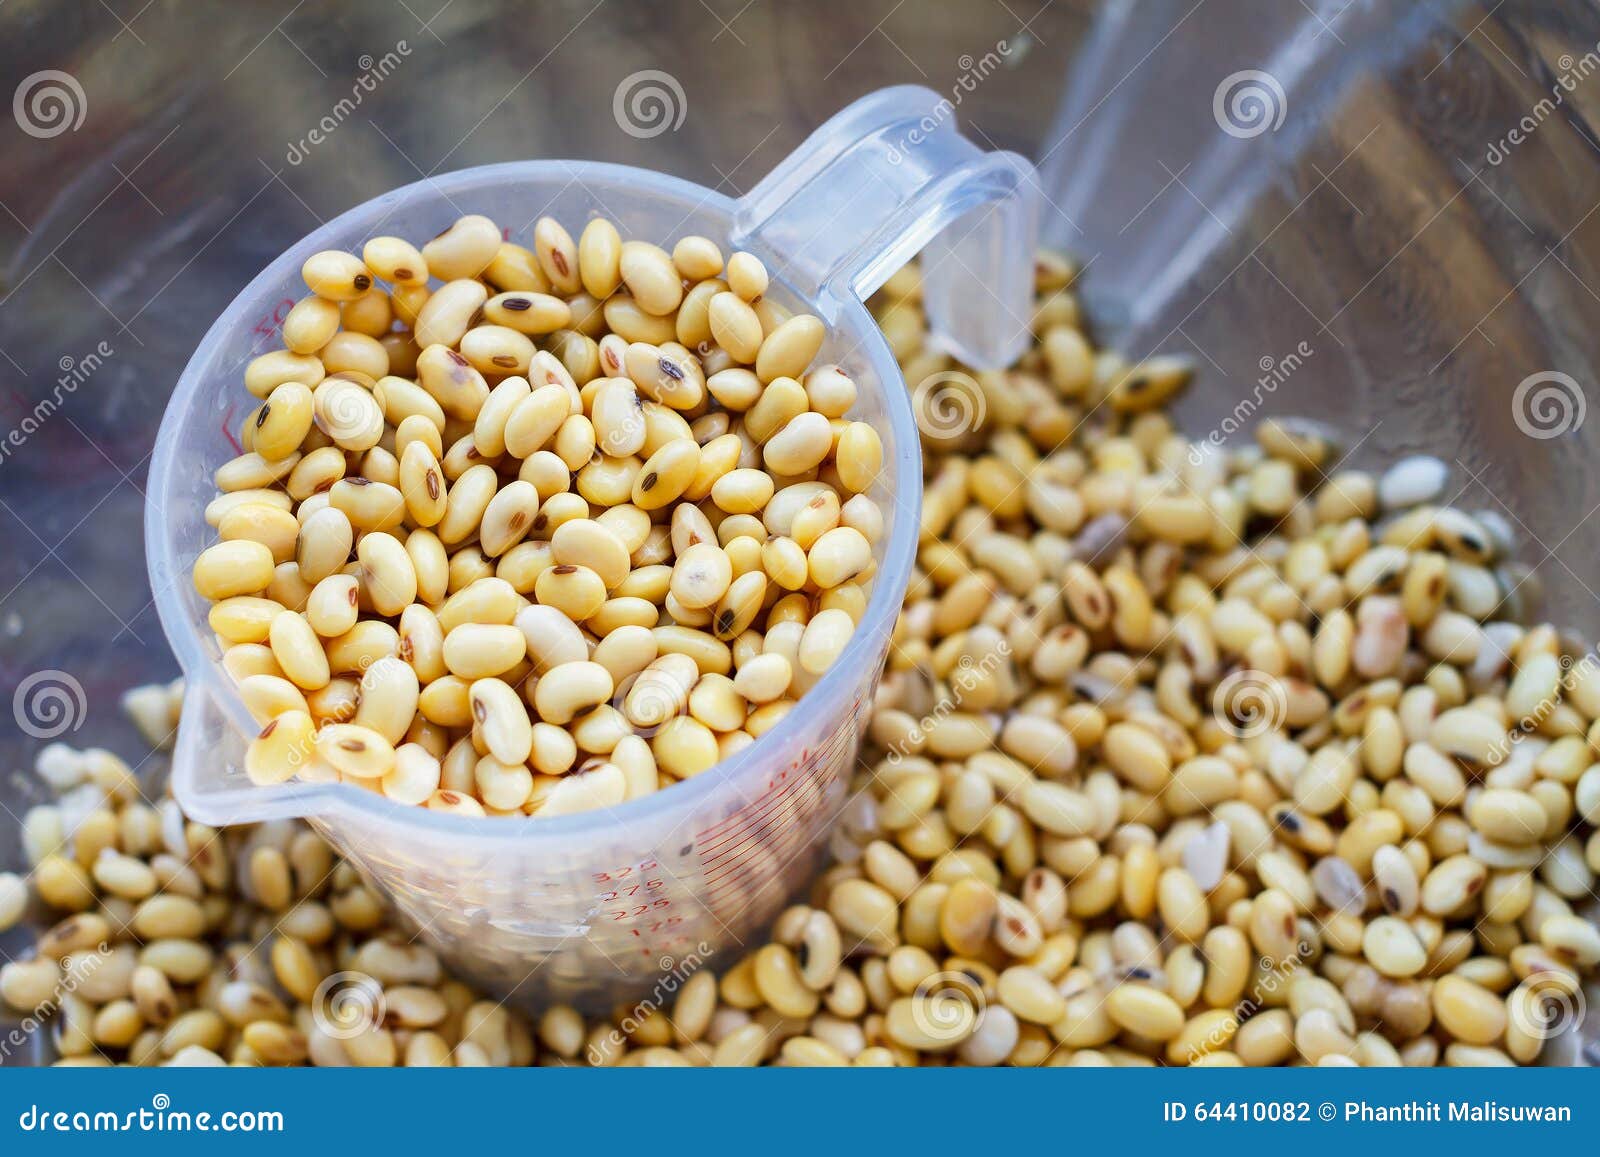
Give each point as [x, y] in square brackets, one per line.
[885, 179]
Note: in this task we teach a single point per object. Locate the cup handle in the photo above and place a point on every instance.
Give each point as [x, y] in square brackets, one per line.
[208, 777]
[886, 178]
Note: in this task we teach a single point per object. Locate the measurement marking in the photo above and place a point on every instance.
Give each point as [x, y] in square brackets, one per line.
[716, 852]
[811, 766]
[767, 801]
[731, 874]
[764, 828]
[740, 868]
[717, 828]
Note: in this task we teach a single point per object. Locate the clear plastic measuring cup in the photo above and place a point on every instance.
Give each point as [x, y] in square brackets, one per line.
[591, 907]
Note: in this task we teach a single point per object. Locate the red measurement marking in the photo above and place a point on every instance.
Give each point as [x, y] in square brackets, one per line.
[732, 873]
[738, 883]
[763, 804]
[269, 323]
[811, 766]
[619, 873]
[638, 910]
[711, 856]
[742, 874]
[752, 875]
[712, 834]
[227, 429]
[624, 891]
[659, 926]
[776, 822]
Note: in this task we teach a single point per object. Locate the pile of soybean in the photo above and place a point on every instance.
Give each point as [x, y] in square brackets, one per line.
[1185, 754]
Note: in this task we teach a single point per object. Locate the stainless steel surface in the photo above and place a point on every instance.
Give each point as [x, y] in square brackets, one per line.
[1441, 273]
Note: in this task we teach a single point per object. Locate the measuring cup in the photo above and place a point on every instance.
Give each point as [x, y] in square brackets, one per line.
[591, 907]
